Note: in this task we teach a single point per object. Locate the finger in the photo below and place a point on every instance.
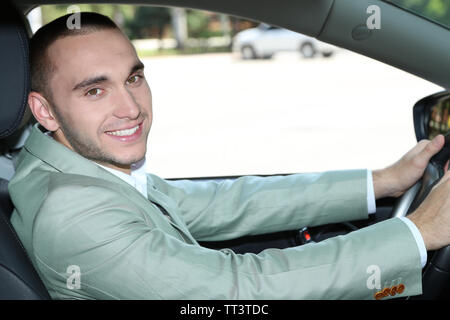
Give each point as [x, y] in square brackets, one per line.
[432, 147]
[446, 166]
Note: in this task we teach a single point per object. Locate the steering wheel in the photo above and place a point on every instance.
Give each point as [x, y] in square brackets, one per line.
[436, 273]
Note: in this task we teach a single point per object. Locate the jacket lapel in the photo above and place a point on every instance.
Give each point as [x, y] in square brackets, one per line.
[65, 160]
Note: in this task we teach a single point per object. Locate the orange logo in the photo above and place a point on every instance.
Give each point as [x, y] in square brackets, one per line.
[392, 291]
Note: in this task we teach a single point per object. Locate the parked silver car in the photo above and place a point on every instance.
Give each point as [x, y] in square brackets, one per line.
[266, 40]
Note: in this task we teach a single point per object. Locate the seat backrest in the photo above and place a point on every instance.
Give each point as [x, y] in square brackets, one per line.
[18, 278]
[6, 205]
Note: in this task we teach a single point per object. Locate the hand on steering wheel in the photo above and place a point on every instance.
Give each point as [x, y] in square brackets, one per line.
[428, 202]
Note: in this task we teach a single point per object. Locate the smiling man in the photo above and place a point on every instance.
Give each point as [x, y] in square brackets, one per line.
[101, 108]
[84, 202]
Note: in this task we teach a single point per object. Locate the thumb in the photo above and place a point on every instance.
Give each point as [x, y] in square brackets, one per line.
[432, 147]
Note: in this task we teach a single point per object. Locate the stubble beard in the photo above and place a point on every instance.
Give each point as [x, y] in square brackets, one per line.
[87, 148]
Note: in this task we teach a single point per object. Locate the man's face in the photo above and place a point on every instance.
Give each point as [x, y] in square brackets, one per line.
[100, 98]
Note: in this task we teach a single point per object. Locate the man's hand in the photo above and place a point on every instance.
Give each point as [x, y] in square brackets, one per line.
[394, 180]
[432, 218]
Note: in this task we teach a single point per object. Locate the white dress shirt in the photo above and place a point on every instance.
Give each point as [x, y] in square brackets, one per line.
[371, 208]
[138, 179]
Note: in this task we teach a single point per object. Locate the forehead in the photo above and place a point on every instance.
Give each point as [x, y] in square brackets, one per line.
[104, 51]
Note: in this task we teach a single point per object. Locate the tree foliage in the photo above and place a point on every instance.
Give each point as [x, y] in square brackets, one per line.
[437, 10]
[138, 21]
[147, 21]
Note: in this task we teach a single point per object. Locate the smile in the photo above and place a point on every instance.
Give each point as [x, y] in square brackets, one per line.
[124, 133]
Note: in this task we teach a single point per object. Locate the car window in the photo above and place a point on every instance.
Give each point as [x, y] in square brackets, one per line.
[232, 101]
[436, 10]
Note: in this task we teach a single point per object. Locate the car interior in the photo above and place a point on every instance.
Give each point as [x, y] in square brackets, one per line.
[338, 22]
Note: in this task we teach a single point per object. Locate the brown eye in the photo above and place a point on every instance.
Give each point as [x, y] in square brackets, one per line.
[93, 92]
[133, 79]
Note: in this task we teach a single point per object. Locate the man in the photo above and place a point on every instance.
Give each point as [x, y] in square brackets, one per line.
[97, 227]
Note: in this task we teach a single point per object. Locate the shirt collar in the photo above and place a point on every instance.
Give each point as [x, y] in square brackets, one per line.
[137, 178]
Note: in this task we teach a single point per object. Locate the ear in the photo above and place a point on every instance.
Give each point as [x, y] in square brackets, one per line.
[41, 111]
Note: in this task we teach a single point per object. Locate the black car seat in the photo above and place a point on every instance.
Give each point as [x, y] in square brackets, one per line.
[18, 278]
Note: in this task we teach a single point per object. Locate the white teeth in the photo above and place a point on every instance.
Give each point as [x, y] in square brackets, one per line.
[127, 132]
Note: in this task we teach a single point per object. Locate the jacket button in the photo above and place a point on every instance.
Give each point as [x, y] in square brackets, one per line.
[393, 291]
[379, 295]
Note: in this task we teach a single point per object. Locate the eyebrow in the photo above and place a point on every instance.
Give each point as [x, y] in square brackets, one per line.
[98, 79]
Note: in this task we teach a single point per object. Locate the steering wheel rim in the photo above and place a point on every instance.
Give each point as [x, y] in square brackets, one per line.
[439, 265]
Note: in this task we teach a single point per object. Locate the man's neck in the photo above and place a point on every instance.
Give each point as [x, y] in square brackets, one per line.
[125, 169]
[138, 166]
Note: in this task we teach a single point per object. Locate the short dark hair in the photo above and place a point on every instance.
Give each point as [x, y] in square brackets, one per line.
[40, 65]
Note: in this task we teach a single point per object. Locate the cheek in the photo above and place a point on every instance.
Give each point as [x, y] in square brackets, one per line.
[144, 98]
[89, 123]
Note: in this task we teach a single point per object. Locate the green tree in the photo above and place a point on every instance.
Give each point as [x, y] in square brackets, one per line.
[197, 22]
[437, 10]
[118, 13]
[146, 21]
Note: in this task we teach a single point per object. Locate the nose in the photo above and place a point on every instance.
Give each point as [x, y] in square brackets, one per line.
[126, 105]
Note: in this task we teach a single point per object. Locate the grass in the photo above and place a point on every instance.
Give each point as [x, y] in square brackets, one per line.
[192, 50]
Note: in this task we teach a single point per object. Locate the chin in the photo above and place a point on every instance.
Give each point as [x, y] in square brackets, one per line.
[130, 158]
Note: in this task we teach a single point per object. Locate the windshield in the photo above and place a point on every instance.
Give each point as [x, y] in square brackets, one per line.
[435, 10]
[269, 102]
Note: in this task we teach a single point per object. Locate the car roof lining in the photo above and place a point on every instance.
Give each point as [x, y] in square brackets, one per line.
[405, 40]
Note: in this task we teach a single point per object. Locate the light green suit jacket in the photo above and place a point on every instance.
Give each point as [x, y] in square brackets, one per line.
[91, 235]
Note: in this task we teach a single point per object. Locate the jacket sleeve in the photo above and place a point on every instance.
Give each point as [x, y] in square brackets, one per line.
[121, 254]
[252, 205]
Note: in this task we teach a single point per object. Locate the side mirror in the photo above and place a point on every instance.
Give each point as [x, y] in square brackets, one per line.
[432, 116]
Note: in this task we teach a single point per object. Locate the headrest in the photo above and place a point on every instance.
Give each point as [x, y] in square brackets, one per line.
[14, 69]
